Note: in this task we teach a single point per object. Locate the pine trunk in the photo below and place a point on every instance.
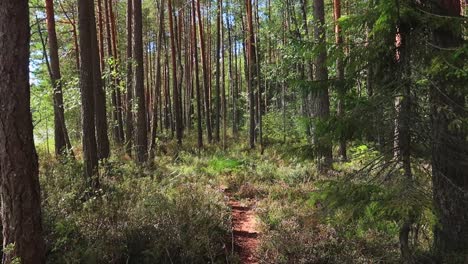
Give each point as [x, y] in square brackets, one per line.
[449, 143]
[141, 142]
[62, 141]
[19, 180]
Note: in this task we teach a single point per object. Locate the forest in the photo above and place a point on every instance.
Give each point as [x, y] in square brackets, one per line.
[235, 131]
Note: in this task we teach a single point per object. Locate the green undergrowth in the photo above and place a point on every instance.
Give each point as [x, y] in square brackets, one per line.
[137, 216]
[174, 209]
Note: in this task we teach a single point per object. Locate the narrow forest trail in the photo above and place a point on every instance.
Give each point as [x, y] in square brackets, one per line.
[245, 229]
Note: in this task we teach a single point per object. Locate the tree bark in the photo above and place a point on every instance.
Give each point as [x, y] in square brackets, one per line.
[129, 85]
[62, 141]
[90, 155]
[197, 79]
[141, 143]
[158, 80]
[19, 181]
[218, 72]
[320, 98]
[449, 143]
[102, 138]
[175, 93]
[251, 62]
[206, 80]
[340, 78]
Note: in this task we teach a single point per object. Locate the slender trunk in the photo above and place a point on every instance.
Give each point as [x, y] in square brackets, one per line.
[223, 87]
[110, 80]
[197, 81]
[206, 81]
[102, 139]
[175, 93]
[129, 96]
[90, 155]
[232, 79]
[141, 142]
[120, 129]
[62, 141]
[251, 62]
[320, 100]
[158, 80]
[402, 128]
[340, 78]
[19, 180]
[449, 142]
[218, 72]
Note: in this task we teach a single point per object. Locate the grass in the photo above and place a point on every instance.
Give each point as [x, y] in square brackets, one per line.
[175, 211]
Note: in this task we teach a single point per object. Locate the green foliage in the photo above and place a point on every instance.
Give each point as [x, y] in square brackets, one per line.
[277, 128]
[221, 165]
[131, 219]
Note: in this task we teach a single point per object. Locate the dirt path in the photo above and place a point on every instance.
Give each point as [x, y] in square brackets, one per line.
[244, 225]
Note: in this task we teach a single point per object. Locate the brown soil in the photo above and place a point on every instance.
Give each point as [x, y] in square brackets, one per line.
[245, 232]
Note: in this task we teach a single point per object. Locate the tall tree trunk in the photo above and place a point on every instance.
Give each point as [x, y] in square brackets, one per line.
[340, 77]
[223, 87]
[197, 81]
[158, 80]
[141, 142]
[120, 129]
[218, 72]
[449, 142]
[320, 98]
[232, 79]
[19, 180]
[110, 80]
[102, 138]
[175, 93]
[402, 135]
[90, 156]
[129, 96]
[206, 79]
[62, 141]
[251, 62]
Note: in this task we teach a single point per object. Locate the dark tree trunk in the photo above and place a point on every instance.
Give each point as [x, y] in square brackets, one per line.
[218, 72]
[102, 139]
[197, 79]
[402, 134]
[175, 93]
[141, 143]
[120, 126]
[62, 141]
[320, 98]
[129, 96]
[90, 156]
[449, 143]
[206, 79]
[232, 79]
[19, 181]
[223, 87]
[340, 78]
[158, 81]
[110, 80]
[252, 78]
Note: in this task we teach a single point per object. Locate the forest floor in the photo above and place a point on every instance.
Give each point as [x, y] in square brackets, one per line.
[217, 206]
